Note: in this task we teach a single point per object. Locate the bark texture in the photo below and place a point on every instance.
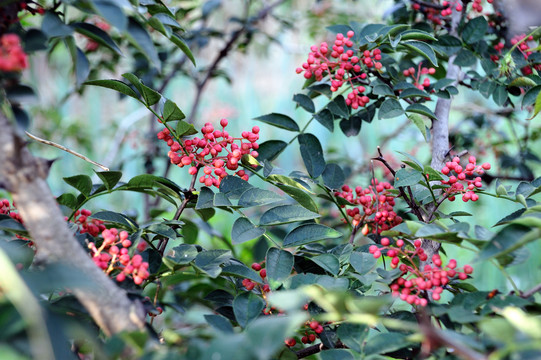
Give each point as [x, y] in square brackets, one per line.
[24, 176]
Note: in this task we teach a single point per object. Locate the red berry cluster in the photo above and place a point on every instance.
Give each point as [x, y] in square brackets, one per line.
[250, 285]
[413, 285]
[463, 182]
[377, 207]
[417, 78]
[342, 66]
[205, 152]
[7, 209]
[436, 13]
[12, 56]
[113, 254]
[526, 51]
[86, 225]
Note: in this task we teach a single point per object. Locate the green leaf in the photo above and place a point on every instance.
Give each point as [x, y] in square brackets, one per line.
[407, 177]
[179, 42]
[284, 214]
[500, 95]
[269, 150]
[537, 106]
[279, 264]
[352, 335]
[83, 183]
[180, 255]
[336, 354]
[209, 261]
[116, 85]
[98, 35]
[112, 13]
[54, 27]
[333, 176]
[171, 112]
[325, 118]
[419, 122]
[308, 233]
[312, 154]
[416, 34]
[257, 197]
[305, 102]
[327, 262]
[390, 108]
[112, 217]
[68, 200]
[247, 307]
[82, 66]
[185, 129]
[363, 263]
[503, 242]
[423, 49]
[420, 109]
[109, 178]
[243, 230]
[338, 107]
[205, 199]
[220, 323]
[280, 121]
[233, 186]
[300, 196]
[464, 58]
[141, 40]
[531, 96]
[475, 30]
[522, 81]
[351, 126]
[242, 271]
[383, 343]
[413, 92]
[434, 175]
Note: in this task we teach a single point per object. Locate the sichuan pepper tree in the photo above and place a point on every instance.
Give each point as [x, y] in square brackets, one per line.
[354, 265]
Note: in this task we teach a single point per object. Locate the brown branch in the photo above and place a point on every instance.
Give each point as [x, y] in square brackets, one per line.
[223, 54]
[532, 291]
[314, 349]
[435, 338]
[24, 176]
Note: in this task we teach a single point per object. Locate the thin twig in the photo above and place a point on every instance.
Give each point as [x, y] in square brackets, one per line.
[530, 292]
[47, 142]
[223, 54]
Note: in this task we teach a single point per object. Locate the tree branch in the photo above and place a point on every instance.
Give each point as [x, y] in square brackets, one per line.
[24, 176]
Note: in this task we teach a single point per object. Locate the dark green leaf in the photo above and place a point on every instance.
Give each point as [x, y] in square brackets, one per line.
[83, 183]
[423, 49]
[305, 102]
[247, 307]
[530, 96]
[182, 254]
[179, 42]
[338, 107]
[312, 154]
[500, 95]
[419, 123]
[326, 119]
[383, 343]
[209, 261]
[257, 197]
[413, 92]
[407, 177]
[503, 242]
[54, 27]
[171, 112]
[296, 192]
[352, 335]
[270, 149]
[327, 262]
[109, 178]
[112, 13]
[475, 30]
[465, 58]
[185, 129]
[286, 214]
[363, 263]
[279, 120]
[351, 126]
[333, 176]
[308, 233]
[95, 33]
[141, 40]
[243, 230]
[279, 264]
[242, 271]
[220, 323]
[114, 85]
[205, 199]
[390, 108]
[114, 218]
[233, 186]
[420, 109]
